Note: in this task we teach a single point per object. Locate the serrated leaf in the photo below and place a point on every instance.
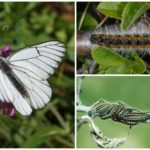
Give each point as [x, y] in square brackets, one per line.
[112, 63]
[132, 12]
[112, 9]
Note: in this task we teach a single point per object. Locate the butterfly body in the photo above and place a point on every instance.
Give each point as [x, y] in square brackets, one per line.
[4, 66]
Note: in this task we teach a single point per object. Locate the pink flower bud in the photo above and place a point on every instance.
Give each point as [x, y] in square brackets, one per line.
[6, 51]
[7, 109]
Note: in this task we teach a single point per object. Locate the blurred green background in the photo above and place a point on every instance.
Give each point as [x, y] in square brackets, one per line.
[24, 24]
[131, 90]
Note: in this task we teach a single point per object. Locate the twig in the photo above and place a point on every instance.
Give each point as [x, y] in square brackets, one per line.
[102, 22]
[79, 102]
[58, 116]
[80, 106]
[80, 122]
[83, 108]
[83, 16]
[99, 138]
[93, 67]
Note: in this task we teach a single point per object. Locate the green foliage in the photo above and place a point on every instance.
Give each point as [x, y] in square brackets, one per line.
[111, 62]
[43, 134]
[128, 13]
[37, 23]
[132, 12]
[112, 9]
[28, 23]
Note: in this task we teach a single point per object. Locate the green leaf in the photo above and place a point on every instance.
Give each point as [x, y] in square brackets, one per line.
[113, 63]
[41, 135]
[112, 9]
[132, 12]
[88, 23]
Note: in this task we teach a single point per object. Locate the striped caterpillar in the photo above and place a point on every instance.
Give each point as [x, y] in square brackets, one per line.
[136, 38]
[118, 112]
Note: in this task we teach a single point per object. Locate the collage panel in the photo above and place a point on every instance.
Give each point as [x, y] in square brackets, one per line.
[65, 74]
[37, 74]
[113, 112]
[113, 37]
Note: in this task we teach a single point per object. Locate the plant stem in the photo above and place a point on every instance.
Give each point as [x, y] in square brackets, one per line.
[83, 16]
[102, 22]
[83, 108]
[58, 116]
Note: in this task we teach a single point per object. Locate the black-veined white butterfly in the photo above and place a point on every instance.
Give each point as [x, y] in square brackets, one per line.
[24, 74]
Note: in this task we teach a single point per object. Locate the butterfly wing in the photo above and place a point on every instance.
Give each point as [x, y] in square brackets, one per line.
[8, 93]
[33, 66]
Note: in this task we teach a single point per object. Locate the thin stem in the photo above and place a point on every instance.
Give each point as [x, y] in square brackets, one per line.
[83, 108]
[64, 142]
[102, 22]
[99, 138]
[83, 16]
[79, 102]
[93, 67]
[58, 116]
[80, 122]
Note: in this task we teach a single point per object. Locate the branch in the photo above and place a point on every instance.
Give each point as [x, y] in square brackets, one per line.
[80, 106]
[79, 102]
[98, 137]
[83, 108]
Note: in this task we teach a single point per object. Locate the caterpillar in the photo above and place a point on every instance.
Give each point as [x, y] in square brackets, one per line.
[135, 38]
[118, 112]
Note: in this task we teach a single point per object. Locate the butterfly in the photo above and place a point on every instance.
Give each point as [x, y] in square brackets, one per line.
[24, 74]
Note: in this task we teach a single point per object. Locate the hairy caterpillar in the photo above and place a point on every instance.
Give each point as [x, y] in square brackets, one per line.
[118, 112]
[136, 38]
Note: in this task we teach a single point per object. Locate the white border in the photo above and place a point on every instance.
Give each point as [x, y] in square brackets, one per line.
[75, 77]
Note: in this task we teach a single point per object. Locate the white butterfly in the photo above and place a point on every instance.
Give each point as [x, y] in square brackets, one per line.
[24, 74]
